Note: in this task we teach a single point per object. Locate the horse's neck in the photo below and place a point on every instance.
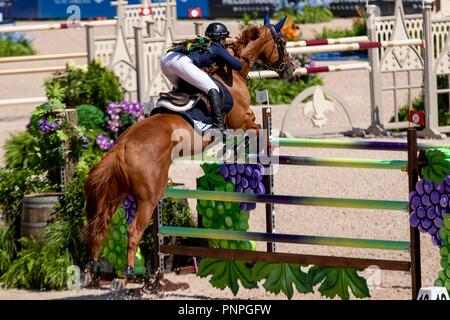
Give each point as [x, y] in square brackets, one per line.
[248, 56]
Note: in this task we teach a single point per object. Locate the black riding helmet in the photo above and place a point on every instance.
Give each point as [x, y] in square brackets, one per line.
[217, 30]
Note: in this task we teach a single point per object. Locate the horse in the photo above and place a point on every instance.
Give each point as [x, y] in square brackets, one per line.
[138, 164]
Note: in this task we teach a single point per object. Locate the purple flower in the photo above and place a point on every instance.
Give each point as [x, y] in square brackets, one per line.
[85, 141]
[104, 142]
[47, 126]
[113, 125]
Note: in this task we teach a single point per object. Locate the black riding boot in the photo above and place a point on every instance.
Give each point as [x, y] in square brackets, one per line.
[216, 111]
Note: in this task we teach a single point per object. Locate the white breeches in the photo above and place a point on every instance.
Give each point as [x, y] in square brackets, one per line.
[177, 66]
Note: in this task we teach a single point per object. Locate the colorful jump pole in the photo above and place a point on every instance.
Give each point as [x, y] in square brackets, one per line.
[350, 144]
[343, 162]
[356, 46]
[288, 200]
[322, 42]
[285, 238]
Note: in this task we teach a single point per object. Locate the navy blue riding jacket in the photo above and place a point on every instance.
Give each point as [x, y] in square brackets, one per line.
[217, 52]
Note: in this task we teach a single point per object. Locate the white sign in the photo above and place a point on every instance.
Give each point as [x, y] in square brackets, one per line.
[262, 96]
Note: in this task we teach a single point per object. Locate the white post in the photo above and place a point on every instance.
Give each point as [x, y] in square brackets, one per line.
[376, 94]
[430, 86]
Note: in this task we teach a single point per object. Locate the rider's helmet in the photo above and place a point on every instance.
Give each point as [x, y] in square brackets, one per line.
[217, 31]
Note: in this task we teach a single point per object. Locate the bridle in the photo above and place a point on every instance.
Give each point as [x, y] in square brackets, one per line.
[280, 66]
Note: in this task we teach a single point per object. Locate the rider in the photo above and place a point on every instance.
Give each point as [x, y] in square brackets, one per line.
[177, 65]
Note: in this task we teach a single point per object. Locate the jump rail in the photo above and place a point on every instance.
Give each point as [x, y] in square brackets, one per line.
[356, 46]
[321, 42]
[349, 144]
[312, 70]
[288, 200]
[35, 70]
[44, 57]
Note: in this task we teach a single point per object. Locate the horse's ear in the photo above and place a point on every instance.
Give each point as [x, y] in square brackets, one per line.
[280, 24]
[266, 19]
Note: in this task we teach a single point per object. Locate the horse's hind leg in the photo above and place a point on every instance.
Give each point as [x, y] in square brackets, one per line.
[145, 209]
[149, 190]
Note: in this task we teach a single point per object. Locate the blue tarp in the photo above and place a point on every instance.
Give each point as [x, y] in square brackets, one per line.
[63, 9]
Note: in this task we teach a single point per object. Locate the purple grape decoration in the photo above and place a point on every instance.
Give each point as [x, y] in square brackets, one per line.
[419, 187]
[426, 200]
[414, 220]
[435, 197]
[428, 186]
[426, 223]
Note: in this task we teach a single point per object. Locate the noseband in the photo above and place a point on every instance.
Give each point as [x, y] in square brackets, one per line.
[280, 66]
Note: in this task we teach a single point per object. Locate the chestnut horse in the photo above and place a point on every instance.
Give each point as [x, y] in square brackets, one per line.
[139, 163]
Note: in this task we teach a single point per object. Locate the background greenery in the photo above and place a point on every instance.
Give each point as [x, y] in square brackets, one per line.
[15, 44]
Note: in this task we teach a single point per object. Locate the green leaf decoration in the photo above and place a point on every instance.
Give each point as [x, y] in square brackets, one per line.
[212, 179]
[336, 281]
[280, 277]
[438, 164]
[227, 273]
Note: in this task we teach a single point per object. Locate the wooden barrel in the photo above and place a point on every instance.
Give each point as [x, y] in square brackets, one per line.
[36, 211]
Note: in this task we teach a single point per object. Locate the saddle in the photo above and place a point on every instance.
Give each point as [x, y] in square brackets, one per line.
[177, 98]
[186, 97]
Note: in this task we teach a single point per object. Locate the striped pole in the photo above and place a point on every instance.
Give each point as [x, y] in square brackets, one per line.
[285, 238]
[312, 70]
[322, 42]
[349, 144]
[288, 200]
[57, 26]
[342, 162]
[356, 46]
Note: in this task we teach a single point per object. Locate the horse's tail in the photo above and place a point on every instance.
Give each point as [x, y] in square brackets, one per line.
[104, 189]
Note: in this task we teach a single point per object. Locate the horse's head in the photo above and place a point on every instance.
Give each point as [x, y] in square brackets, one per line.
[274, 55]
[265, 46]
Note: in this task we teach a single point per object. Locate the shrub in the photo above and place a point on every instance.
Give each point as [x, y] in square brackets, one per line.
[309, 14]
[25, 271]
[282, 92]
[9, 48]
[96, 86]
[20, 151]
[359, 28]
[8, 247]
[90, 117]
[14, 184]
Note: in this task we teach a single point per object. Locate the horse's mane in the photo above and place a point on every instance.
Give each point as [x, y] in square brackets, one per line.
[244, 38]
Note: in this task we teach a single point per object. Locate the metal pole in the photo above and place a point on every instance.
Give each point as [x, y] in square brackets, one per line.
[90, 43]
[160, 238]
[416, 281]
[139, 63]
[268, 177]
[198, 28]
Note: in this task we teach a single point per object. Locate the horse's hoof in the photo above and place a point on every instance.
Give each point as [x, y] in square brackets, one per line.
[128, 272]
[91, 266]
